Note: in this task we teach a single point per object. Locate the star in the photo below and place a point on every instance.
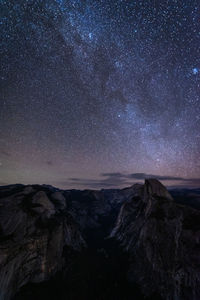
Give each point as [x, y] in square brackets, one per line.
[92, 87]
[195, 71]
[90, 35]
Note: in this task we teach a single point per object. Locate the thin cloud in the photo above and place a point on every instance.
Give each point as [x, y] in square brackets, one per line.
[110, 181]
[49, 162]
[141, 176]
[119, 175]
[118, 180]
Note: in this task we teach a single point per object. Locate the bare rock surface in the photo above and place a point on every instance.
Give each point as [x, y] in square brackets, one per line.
[140, 233]
[163, 240]
[33, 236]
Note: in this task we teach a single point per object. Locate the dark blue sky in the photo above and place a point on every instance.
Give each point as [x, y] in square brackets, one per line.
[92, 87]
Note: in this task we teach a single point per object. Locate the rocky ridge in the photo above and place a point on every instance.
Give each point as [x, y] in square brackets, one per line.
[163, 240]
[35, 232]
[44, 231]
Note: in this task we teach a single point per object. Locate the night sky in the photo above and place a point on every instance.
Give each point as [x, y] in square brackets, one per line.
[100, 94]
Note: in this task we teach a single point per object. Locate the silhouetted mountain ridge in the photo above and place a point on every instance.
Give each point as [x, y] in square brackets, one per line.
[107, 244]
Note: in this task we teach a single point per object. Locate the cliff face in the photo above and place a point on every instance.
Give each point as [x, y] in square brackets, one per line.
[35, 231]
[96, 211]
[163, 240]
[44, 230]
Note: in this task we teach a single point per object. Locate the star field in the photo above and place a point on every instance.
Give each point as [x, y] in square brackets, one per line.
[91, 89]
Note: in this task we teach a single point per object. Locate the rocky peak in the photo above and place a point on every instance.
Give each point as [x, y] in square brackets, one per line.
[42, 204]
[35, 231]
[163, 241]
[154, 188]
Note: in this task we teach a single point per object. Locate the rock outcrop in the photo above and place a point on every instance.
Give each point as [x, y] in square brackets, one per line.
[163, 240]
[80, 237]
[35, 231]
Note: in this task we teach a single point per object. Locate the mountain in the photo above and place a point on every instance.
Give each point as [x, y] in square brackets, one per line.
[163, 240]
[35, 233]
[190, 197]
[135, 243]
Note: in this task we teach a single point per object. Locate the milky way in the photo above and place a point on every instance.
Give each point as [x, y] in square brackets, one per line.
[99, 93]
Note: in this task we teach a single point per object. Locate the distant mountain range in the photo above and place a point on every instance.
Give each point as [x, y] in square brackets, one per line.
[190, 197]
[140, 242]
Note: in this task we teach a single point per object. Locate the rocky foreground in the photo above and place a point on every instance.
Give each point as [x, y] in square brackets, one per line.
[134, 243]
